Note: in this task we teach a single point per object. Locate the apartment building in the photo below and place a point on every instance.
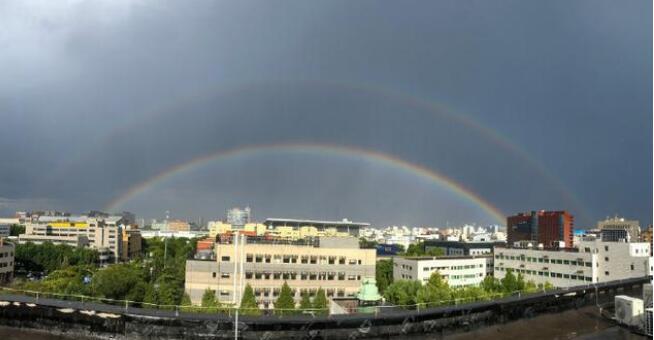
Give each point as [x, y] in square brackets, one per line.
[6, 261]
[592, 261]
[459, 271]
[337, 265]
[104, 234]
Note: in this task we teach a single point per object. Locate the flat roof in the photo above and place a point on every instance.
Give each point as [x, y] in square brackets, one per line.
[294, 220]
[431, 258]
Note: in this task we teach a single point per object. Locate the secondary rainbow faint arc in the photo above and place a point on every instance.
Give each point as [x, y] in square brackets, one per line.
[386, 159]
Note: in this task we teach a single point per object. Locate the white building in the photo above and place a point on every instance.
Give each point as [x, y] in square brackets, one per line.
[6, 261]
[458, 271]
[594, 261]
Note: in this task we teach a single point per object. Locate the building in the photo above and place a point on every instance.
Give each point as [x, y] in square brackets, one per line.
[619, 229]
[220, 228]
[298, 228]
[239, 217]
[7, 252]
[178, 225]
[168, 234]
[337, 265]
[105, 234]
[646, 236]
[458, 248]
[131, 243]
[545, 227]
[5, 226]
[459, 271]
[593, 261]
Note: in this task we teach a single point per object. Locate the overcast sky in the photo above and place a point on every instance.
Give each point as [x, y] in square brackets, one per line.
[527, 104]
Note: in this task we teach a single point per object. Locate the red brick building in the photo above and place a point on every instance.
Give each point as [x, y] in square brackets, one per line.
[546, 227]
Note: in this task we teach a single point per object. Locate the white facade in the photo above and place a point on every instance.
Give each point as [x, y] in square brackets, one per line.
[168, 234]
[458, 271]
[6, 261]
[595, 261]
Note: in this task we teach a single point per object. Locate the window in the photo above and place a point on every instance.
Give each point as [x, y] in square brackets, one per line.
[606, 248]
[223, 275]
[606, 259]
[214, 275]
[341, 260]
[304, 259]
[632, 266]
[606, 273]
[248, 258]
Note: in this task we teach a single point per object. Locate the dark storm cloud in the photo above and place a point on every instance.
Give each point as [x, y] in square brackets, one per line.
[92, 94]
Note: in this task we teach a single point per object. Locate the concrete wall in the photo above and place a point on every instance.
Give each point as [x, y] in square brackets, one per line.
[98, 320]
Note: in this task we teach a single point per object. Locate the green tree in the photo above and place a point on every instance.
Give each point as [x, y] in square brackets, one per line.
[434, 293]
[285, 304]
[305, 303]
[209, 299]
[403, 292]
[16, 229]
[249, 305]
[384, 274]
[320, 303]
[116, 281]
[365, 244]
[509, 282]
[491, 285]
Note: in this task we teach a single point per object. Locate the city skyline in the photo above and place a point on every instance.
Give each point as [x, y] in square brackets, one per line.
[319, 111]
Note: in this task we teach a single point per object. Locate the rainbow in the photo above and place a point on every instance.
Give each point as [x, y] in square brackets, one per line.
[384, 159]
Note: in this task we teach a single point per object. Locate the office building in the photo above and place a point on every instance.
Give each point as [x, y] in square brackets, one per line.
[7, 252]
[618, 229]
[544, 227]
[337, 265]
[458, 248]
[105, 234]
[458, 271]
[593, 261]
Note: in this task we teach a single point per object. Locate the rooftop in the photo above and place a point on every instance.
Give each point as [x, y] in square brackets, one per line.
[299, 221]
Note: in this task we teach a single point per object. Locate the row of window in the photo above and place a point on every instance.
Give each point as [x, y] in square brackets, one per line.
[544, 260]
[471, 266]
[6, 264]
[295, 276]
[550, 274]
[258, 258]
[7, 254]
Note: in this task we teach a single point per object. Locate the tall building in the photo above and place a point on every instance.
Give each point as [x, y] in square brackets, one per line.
[618, 229]
[338, 265]
[544, 227]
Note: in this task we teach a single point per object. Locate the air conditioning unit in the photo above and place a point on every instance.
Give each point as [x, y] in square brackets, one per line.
[628, 310]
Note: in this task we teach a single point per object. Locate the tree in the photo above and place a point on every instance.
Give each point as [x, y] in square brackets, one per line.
[435, 292]
[209, 299]
[305, 303]
[320, 302]
[285, 303]
[384, 274]
[402, 292]
[509, 282]
[365, 244]
[249, 305]
[116, 281]
[491, 285]
[16, 229]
